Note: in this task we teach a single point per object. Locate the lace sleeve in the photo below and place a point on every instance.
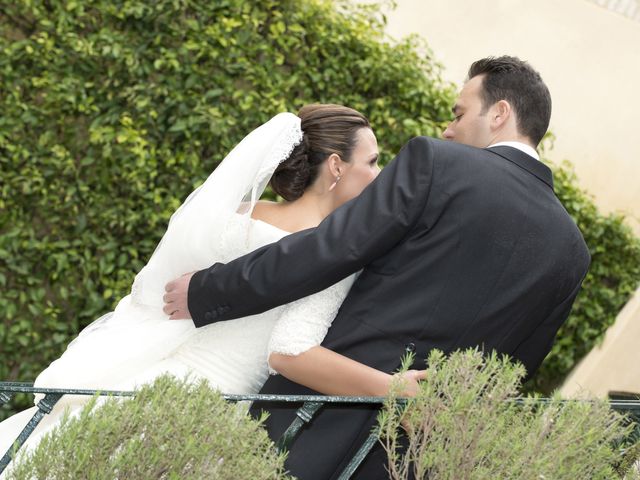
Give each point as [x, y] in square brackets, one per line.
[305, 322]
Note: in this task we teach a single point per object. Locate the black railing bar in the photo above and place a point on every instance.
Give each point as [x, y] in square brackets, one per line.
[612, 403]
[64, 391]
[252, 397]
[25, 387]
[305, 398]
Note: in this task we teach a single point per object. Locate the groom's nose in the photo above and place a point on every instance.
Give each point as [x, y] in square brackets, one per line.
[448, 133]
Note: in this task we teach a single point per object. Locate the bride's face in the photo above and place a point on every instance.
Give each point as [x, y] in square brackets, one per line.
[361, 170]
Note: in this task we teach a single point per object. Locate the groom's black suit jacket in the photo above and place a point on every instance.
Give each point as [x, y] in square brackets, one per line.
[458, 246]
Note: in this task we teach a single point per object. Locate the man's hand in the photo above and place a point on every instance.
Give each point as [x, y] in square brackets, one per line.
[175, 298]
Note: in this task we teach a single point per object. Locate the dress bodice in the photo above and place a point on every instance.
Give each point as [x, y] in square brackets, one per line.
[244, 234]
[232, 355]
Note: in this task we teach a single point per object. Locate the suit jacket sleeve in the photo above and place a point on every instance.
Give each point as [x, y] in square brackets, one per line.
[308, 261]
[533, 350]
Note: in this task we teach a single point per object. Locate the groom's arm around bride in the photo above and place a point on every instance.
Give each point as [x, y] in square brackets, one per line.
[478, 217]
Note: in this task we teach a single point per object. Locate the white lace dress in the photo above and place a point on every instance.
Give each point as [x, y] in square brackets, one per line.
[120, 352]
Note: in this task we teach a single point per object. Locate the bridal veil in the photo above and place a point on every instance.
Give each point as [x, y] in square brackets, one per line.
[138, 333]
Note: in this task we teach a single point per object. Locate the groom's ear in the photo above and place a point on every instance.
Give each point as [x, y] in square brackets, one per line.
[500, 113]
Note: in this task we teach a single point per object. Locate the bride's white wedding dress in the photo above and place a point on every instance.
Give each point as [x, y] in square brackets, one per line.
[137, 342]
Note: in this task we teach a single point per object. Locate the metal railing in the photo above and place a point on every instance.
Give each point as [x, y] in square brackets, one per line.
[311, 404]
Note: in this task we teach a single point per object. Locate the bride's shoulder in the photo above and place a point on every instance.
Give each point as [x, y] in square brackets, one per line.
[285, 216]
[266, 211]
[265, 206]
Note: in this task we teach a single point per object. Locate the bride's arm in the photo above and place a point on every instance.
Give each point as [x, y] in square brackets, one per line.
[330, 373]
[294, 350]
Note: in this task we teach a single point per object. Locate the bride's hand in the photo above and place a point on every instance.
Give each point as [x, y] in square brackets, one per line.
[175, 298]
[410, 380]
[410, 386]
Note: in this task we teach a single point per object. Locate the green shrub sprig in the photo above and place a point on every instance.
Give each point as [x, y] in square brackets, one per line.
[465, 422]
[171, 429]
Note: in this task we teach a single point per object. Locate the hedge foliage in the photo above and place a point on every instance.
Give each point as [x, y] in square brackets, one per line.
[113, 111]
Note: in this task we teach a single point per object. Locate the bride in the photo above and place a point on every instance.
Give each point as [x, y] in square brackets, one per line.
[316, 161]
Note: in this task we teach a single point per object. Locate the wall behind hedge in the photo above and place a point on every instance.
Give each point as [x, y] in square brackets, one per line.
[113, 111]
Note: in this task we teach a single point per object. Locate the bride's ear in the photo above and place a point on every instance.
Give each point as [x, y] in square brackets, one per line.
[336, 165]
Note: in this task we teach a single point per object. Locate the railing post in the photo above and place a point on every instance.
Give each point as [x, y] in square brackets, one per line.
[304, 415]
[44, 406]
[4, 398]
[360, 455]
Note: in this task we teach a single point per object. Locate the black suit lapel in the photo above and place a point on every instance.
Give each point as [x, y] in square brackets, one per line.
[526, 162]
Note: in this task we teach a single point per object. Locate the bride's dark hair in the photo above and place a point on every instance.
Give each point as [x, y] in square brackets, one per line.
[327, 129]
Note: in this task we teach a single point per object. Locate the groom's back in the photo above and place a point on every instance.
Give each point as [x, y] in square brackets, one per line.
[494, 261]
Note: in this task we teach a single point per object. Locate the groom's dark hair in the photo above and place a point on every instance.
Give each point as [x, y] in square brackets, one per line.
[511, 79]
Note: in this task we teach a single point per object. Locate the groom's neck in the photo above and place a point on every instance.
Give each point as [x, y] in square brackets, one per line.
[511, 137]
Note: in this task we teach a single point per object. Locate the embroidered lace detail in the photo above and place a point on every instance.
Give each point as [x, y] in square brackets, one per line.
[136, 288]
[280, 152]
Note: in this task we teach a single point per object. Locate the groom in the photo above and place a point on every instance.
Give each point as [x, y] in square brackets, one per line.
[459, 247]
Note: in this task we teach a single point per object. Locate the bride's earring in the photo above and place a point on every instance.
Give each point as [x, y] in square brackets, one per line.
[333, 185]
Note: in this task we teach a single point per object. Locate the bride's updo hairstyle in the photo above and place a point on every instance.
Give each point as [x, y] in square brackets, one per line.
[327, 129]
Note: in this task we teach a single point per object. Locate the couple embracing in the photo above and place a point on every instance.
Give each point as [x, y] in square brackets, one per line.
[453, 245]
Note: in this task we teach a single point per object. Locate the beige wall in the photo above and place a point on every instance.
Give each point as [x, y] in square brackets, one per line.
[589, 57]
[614, 365]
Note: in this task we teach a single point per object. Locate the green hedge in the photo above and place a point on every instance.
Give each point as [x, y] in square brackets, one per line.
[113, 111]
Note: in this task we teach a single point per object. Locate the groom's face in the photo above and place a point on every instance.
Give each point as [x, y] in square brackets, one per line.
[471, 124]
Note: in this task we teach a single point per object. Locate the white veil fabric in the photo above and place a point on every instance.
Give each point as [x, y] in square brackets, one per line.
[234, 187]
[138, 334]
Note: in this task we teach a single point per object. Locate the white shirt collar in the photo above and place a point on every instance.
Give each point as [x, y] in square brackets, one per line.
[523, 147]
